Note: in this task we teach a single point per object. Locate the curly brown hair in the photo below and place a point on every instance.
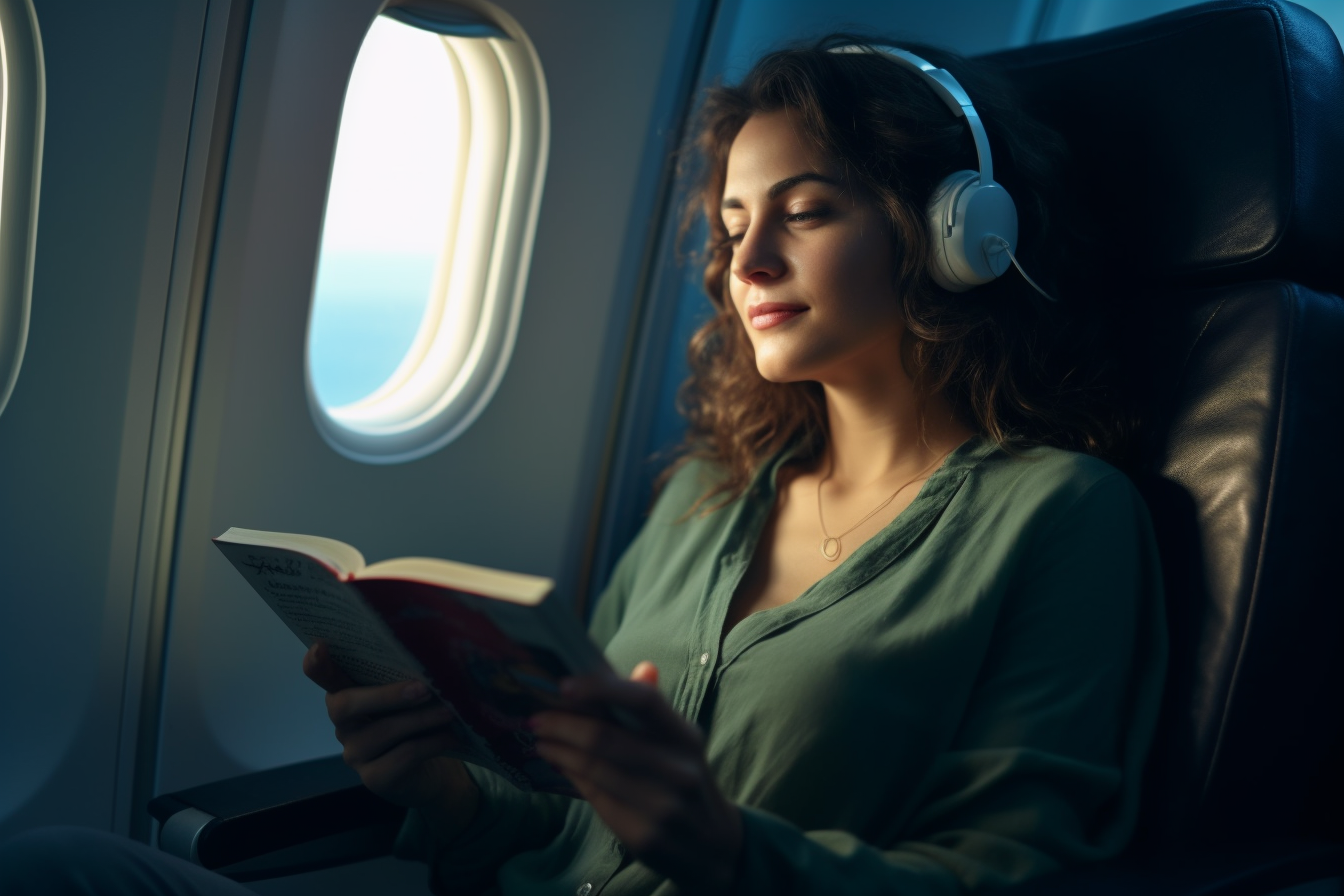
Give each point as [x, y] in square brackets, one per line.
[1014, 366]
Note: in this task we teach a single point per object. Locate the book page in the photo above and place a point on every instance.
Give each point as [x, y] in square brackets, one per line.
[317, 606]
[342, 558]
[515, 587]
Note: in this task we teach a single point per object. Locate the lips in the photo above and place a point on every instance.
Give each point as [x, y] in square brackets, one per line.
[772, 314]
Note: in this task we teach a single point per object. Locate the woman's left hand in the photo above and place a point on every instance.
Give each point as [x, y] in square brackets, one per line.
[649, 782]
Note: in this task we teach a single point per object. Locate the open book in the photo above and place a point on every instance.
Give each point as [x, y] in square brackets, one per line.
[488, 643]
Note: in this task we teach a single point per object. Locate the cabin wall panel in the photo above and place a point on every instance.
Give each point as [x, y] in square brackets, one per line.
[968, 26]
[508, 491]
[74, 439]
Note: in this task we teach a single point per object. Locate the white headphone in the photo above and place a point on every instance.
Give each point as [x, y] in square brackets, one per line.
[972, 220]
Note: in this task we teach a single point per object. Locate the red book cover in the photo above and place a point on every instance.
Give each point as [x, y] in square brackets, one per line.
[493, 682]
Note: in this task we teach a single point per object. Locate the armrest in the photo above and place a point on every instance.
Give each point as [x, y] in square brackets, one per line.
[1242, 870]
[285, 820]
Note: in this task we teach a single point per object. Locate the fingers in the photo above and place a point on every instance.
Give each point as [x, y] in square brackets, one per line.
[635, 702]
[318, 666]
[385, 773]
[647, 779]
[645, 672]
[581, 743]
[656, 743]
[354, 705]
[627, 770]
[351, 707]
[366, 741]
[394, 736]
[661, 802]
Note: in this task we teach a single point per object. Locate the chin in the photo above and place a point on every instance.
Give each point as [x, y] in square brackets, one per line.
[776, 372]
[793, 361]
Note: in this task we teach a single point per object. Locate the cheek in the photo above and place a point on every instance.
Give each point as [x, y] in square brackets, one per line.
[866, 269]
[865, 261]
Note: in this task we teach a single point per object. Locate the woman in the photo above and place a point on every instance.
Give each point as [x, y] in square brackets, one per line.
[882, 633]
[901, 644]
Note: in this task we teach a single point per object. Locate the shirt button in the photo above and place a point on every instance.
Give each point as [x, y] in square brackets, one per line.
[584, 890]
[704, 658]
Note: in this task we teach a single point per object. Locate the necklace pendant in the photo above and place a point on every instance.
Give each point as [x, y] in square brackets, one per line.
[830, 548]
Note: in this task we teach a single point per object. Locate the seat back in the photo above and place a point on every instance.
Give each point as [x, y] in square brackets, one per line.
[1214, 162]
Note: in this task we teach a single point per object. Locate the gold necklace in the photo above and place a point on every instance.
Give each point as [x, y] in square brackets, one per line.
[830, 544]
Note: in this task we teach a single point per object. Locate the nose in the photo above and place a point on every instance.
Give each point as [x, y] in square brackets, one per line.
[756, 259]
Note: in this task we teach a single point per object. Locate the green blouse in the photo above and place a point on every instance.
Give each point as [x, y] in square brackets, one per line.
[965, 701]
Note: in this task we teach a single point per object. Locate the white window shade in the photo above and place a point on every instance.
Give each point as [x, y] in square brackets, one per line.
[464, 211]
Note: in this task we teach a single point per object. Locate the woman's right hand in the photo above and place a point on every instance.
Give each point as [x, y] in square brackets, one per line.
[394, 736]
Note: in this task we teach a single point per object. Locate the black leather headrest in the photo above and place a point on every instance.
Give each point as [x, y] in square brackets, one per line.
[1208, 141]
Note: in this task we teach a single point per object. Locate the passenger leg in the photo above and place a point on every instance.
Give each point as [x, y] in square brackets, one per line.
[71, 861]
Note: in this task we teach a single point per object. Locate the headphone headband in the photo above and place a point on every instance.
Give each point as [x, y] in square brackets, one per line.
[948, 90]
[972, 220]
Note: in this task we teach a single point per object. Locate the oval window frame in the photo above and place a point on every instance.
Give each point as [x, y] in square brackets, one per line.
[23, 93]
[447, 377]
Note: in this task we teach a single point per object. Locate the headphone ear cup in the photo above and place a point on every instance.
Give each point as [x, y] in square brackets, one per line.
[969, 223]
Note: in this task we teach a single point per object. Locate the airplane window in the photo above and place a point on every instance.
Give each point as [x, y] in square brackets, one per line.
[427, 233]
[385, 224]
[22, 100]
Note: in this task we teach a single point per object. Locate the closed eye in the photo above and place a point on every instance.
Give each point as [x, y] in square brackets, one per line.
[732, 239]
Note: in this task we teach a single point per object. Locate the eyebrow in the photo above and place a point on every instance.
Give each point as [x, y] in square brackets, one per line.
[785, 185]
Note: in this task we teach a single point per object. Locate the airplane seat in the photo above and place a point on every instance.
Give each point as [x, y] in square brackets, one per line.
[1218, 223]
[1208, 143]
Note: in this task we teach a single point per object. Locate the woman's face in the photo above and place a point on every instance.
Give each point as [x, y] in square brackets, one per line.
[812, 267]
